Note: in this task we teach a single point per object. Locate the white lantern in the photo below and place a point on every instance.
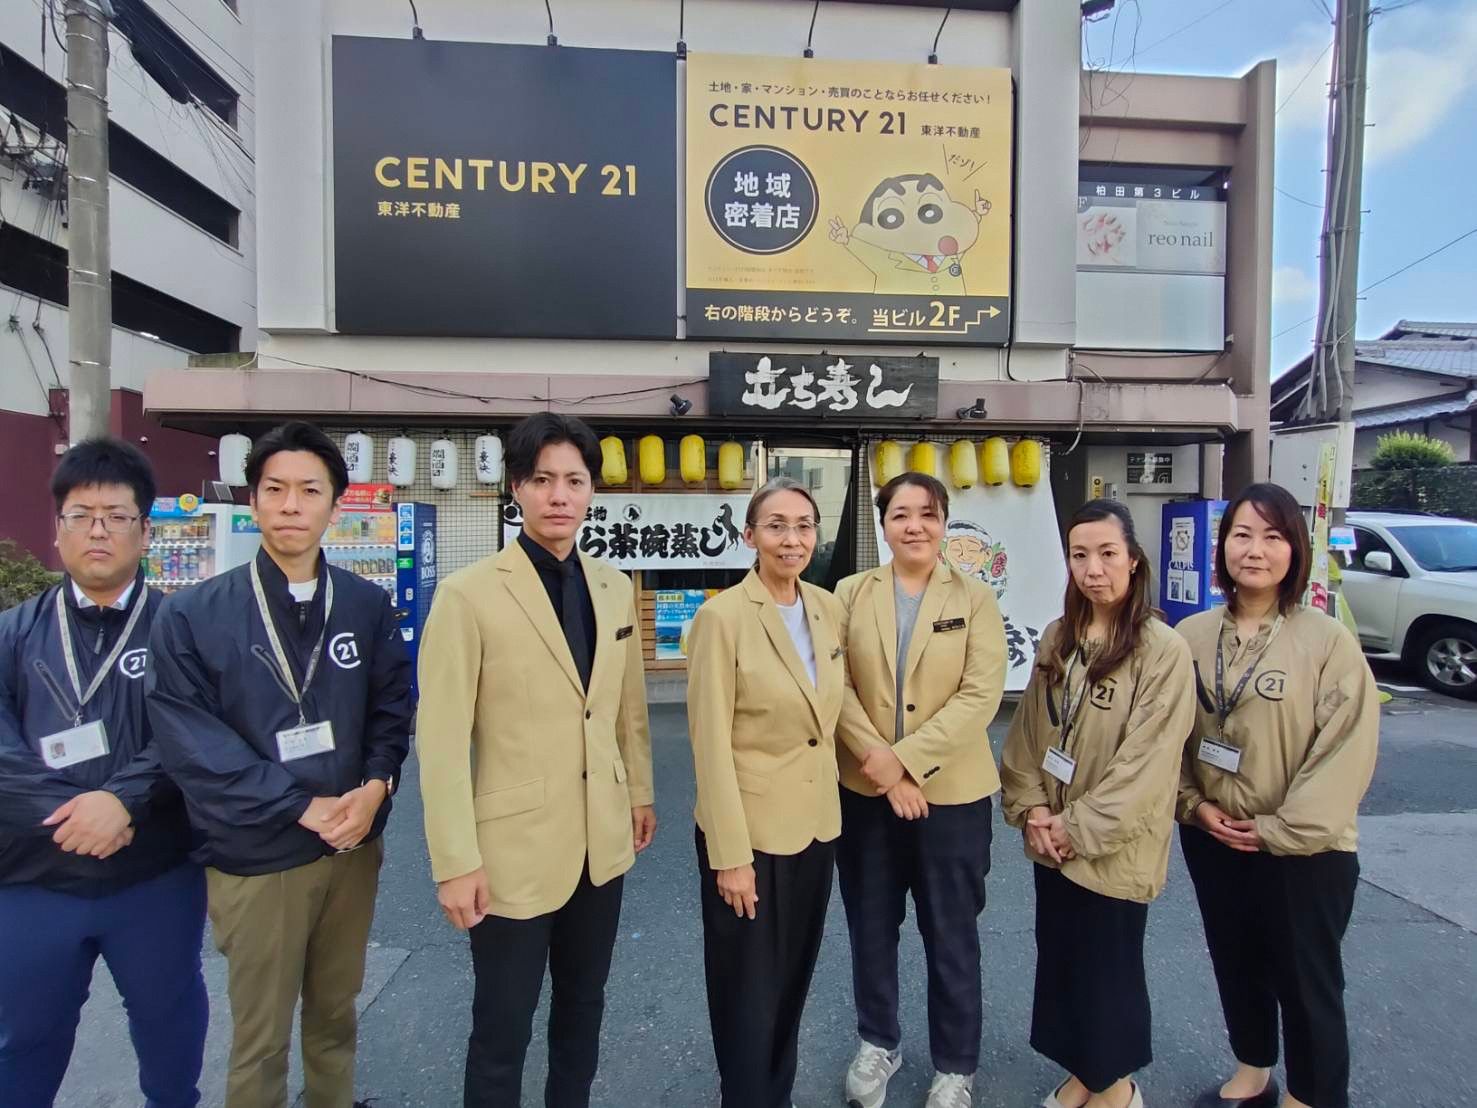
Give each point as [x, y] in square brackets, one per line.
[443, 464]
[400, 461]
[232, 451]
[489, 454]
[359, 457]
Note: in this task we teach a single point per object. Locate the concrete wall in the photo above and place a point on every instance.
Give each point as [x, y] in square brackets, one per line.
[1040, 42]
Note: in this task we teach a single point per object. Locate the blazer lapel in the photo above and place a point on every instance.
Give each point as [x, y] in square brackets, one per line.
[609, 612]
[828, 675]
[779, 636]
[929, 611]
[528, 590]
[884, 611]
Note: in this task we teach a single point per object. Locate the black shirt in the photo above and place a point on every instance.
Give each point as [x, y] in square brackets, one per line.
[551, 571]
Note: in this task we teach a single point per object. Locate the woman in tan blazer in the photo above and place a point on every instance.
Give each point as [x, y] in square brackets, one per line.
[764, 680]
[925, 661]
[1089, 769]
[1282, 750]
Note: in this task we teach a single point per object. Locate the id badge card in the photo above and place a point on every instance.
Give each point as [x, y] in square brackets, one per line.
[1220, 755]
[76, 744]
[1059, 764]
[305, 741]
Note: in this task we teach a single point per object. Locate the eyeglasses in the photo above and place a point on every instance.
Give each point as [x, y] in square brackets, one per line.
[775, 529]
[115, 523]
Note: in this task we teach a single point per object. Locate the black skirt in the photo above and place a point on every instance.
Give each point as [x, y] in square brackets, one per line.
[1091, 1011]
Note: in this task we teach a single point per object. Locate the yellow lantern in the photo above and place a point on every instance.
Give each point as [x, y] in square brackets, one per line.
[964, 464]
[693, 458]
[923, 457]
[613, 460]
[651, 456]
[887, 462]
[731, 465]
[1025, 463]
[994, 461]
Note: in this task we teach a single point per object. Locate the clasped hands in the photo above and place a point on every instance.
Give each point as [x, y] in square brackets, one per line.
[885, 771]
[343, 821]
[93, 823]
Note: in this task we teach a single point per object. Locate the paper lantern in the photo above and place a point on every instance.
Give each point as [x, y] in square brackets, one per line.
[923, 457]
[994, 461]
[443, 464]
[651, 457]
[692, 456]
[400, 461]
[488, 450]
[1025, 462]
[359, 457]
[887, 461]
[964, 464]
[613, 461]
[232, 455]
[731, 466]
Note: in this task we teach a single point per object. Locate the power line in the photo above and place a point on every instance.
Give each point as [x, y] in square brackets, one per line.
[1299, 199]
[1175, 34]
[1303, 79]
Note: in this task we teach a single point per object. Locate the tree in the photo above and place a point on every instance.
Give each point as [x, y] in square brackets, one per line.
[1408, 450]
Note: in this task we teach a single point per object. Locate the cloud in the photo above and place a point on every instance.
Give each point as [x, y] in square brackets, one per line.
[1420, 68]
[1291, 284]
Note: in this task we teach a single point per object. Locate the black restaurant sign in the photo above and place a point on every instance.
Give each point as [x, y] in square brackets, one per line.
[492, 189]
[826, 386]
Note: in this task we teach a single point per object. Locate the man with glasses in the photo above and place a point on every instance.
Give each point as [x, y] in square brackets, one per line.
[281, 703]
[93, 836]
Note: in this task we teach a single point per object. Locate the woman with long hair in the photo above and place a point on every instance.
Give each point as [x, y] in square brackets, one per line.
[764, 688]
[1089, 770]
[1282, 749]
[925, 660]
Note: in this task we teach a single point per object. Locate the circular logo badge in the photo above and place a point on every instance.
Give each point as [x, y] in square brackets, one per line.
[1271, 684]
[1103, 692]
[133, 663]
[344, 650]
[189, 502]
[762, 199]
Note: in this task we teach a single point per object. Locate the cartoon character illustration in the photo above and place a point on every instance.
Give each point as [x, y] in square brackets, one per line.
[971, 549]
[912, 235]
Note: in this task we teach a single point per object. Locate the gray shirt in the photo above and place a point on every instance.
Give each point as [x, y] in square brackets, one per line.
[907, 618]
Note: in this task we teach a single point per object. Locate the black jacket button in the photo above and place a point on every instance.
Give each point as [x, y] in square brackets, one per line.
[912, 707]
[815, 742]
[588, 714]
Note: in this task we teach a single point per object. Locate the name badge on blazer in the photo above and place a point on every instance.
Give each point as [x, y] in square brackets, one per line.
[625, 632]
[949, 624]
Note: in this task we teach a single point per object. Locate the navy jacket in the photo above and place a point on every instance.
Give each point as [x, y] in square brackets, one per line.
[216, 703]
[30, 790]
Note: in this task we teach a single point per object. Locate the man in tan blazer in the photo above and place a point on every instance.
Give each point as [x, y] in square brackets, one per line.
[536, 769]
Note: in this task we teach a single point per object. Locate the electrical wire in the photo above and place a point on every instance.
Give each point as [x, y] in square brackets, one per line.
[810, 35]
[1301, 80]
[1299, 199]
[933, 55]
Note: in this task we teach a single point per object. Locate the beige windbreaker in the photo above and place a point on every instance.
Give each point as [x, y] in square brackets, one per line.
[1126, 739]
[1307, 725]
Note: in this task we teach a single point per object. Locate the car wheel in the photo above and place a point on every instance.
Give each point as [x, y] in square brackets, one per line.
[1447, 658]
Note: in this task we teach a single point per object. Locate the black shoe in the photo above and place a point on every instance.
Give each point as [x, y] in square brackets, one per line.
[1270, 1097]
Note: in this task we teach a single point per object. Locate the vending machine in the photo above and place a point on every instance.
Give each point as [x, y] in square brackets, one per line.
[416, 565]
[1187, 581]
[363, 539]
[193, 541]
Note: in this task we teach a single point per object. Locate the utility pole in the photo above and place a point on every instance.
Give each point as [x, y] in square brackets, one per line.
[90, 268]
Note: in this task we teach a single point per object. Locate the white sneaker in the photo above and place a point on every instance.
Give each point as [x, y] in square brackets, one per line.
[870, 1071]
[951, 1090]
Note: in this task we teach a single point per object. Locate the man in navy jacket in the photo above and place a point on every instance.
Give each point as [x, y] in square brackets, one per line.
[93, 836]
[281, 706]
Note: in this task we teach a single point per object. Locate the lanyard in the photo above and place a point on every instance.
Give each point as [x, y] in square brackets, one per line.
[1225, 707]
[289, 682]
[141, 601]
[1071, 710]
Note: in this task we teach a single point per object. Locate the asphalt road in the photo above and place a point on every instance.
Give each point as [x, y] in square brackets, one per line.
[1411, 963]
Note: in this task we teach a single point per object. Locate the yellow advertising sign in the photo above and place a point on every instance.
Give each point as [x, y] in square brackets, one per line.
[851, 201]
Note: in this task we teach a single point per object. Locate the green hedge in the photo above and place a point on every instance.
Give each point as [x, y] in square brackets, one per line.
[21, 575]
[1448, 491]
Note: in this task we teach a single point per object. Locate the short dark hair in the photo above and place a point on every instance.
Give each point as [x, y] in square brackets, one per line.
[295, 435]
[527, 440]
[1280, 509]
[105, 461]
[770, 488]
[938, 496]
[895, 184]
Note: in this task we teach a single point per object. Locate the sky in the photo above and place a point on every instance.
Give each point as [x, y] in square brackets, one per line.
[1420, 156]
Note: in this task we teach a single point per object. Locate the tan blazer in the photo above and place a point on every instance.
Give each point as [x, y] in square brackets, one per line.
[763, 737]
[954, 677]
[523, 774]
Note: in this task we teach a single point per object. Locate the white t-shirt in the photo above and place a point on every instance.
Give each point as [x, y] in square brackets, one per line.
[303, 591]
[799, 628]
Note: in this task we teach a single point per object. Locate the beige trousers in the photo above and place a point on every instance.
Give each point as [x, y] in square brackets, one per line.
[301, 932]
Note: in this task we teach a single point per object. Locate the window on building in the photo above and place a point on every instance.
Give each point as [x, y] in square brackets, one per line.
[172, 62]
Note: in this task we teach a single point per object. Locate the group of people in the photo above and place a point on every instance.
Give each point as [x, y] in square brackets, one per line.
[231, 751]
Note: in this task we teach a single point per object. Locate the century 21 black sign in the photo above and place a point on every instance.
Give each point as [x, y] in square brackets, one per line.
[500, 190]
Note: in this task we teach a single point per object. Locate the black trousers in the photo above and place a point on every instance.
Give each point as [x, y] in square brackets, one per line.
[942, 860]
[508, 958]
[1275, 928]
[1090, 1013]
[759, 970]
